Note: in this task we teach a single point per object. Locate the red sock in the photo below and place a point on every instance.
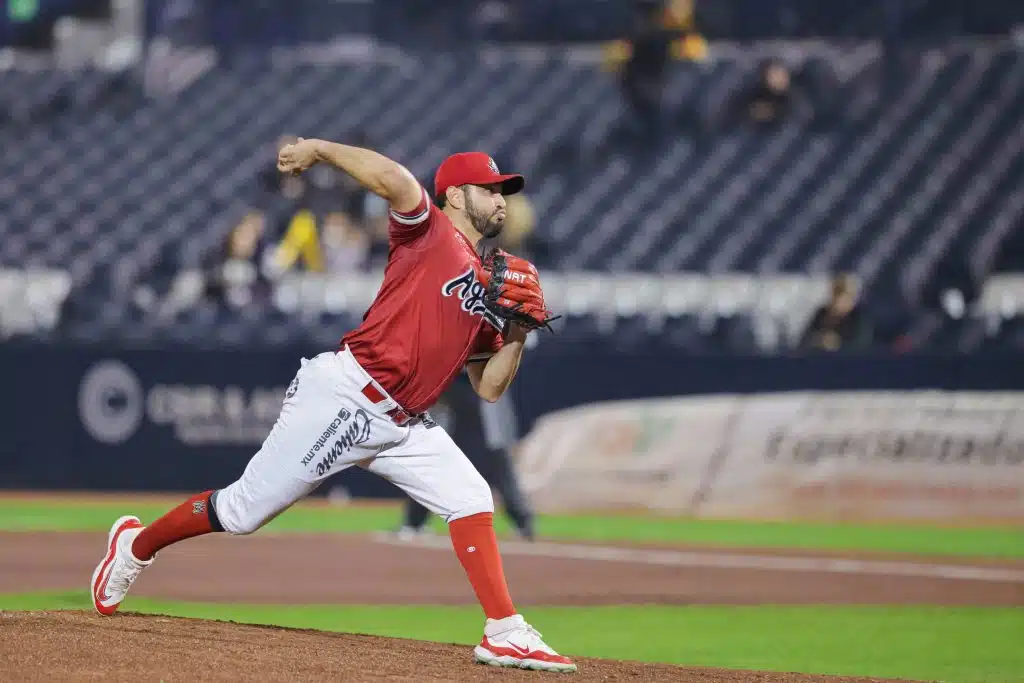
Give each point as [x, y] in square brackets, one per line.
[194, 517]
[477, 547]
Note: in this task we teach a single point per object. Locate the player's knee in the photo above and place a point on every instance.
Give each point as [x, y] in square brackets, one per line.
[481, 501]
[236, 518]
[243, 526]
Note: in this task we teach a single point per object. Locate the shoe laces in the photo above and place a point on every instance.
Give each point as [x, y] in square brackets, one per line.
[530, 633]
[520, 627]
[121, 581]
[130, 569]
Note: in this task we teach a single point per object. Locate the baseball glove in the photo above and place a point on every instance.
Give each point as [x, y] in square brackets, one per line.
[513, 291]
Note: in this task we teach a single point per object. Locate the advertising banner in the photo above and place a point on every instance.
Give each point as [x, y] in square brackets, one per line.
[144, 420]
[921, 455]
[722, 435]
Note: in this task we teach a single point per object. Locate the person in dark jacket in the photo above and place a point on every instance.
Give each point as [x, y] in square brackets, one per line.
[841, 323]
[645, 73]
[486, 433]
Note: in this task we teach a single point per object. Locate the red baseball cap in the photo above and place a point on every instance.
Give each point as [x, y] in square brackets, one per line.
[474, 168]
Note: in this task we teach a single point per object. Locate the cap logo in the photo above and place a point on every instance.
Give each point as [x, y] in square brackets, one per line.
[493, 166]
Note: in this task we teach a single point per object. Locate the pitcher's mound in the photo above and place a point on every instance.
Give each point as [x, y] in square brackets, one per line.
[77, 646]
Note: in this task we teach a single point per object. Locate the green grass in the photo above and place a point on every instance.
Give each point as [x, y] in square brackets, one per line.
[21, 515]
[963, 645]
[57, 515]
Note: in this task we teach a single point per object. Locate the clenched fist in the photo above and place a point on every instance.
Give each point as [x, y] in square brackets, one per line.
[297, 157]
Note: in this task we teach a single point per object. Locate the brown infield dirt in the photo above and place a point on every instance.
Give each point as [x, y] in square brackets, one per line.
[72, 646]
[311, 568]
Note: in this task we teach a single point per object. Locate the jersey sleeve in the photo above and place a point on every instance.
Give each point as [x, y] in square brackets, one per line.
[407, 226]
[488, 343]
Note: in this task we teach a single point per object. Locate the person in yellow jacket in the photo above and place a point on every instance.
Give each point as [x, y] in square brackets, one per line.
[301, 241]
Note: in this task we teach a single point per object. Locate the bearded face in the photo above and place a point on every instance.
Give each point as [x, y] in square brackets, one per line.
[485, 208]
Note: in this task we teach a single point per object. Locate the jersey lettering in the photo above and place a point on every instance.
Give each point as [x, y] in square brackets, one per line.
[471, 292]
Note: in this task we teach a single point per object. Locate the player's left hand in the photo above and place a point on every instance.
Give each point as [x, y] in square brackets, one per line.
[297, 157]
[513, 291]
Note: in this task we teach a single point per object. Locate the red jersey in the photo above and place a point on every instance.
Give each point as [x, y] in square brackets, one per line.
[428, 318]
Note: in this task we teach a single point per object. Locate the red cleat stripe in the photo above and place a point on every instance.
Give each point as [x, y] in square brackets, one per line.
[538, 655]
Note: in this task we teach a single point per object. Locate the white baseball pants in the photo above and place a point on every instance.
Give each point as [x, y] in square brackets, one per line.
[328, 424]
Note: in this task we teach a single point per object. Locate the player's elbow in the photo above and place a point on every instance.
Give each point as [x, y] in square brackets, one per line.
[398, 186]
[487, 383]
[489, 393]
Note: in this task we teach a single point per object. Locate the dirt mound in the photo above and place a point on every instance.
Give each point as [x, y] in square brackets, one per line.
[76, 646]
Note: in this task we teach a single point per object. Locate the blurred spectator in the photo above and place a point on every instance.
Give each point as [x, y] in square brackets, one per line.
[680, 16]
[299, 205]
[662, 31]
[643, 78]
[282, 197]
[235, 277]
[519, 235]
[839, 324]
[346, 248]
[300, 241]
[772, 97]
[770, 100]
[519, 224]
[324, 190]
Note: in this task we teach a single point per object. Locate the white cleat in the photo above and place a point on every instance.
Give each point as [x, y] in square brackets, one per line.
[408, 533]
[118, 569]
[511, 642]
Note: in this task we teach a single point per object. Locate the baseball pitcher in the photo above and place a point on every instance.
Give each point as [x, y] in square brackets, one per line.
[441, 308]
